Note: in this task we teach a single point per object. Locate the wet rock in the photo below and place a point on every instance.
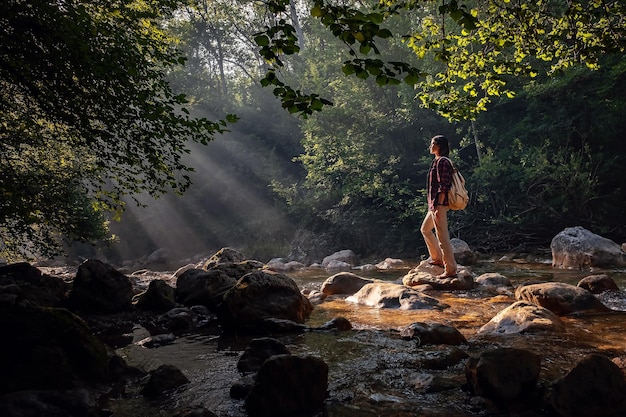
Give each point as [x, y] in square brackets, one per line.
[425, 275]
[163, 379]
[344, 283]
[338, 323]
[157, 340]
[22, 281]
[50, 403]
[48, 348]
[100, 288]
[199, 287]
[443, 359]
[523, 317]
[288, 385]
[560, 298]
[389, 295]
[595, 387]
[432, 334]
[505, 376]
[493, 279]
[260, 295]
[597, 284]
[176, 320]
[258, 351]
[159, 296]
[578, 248]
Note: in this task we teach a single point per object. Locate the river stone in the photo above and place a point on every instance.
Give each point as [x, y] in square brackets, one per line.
[422, 276]
[597, 284]
[505, 375]
[595, 387]
[493, 279]
[22, 281]
[344, 283]
[100, 288]
[523, 317]
[163, 379]
[159, 296]
[260, 295]
[432, 334]
[560, 298]
[288, 385]
[200, 287]
[258, 351]
[345, 256]
[578, 248]
[390, 295]
[48, 348]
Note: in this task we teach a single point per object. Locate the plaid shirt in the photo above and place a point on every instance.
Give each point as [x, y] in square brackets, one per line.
[439, 182]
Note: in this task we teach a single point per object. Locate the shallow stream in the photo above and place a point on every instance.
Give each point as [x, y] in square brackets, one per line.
[372, 371]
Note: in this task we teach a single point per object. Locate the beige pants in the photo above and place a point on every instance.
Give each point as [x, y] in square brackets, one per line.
[438, 241]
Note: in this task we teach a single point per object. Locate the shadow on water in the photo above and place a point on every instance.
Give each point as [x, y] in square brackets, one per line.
[372, 371]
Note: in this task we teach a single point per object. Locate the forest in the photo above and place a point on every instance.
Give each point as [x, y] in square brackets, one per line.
[298, 128]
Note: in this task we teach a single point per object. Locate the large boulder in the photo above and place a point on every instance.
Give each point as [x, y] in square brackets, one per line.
[260, 295]
[48, 348]
[523, 317]
[224, 256]
[200, 287]
[560, 298]
[344, 283]
[22, 281]
[595, 387]
[100, 288]
[390, 295]
[288, 385]
[506, 376]
[578, 248]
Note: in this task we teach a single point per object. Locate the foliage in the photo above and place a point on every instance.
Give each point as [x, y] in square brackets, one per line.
[478, 46]
[86, 115]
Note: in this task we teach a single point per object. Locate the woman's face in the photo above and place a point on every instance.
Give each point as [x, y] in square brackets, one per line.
[434, 148]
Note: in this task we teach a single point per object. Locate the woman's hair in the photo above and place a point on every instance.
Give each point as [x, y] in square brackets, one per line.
[444, 145]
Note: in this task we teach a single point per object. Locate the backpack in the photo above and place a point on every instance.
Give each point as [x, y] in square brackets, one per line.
[457, 196]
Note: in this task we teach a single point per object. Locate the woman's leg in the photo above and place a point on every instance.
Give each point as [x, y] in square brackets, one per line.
[434, 251]
[441, 228]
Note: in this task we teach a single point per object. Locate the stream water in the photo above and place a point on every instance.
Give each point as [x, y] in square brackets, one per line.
[372, 371]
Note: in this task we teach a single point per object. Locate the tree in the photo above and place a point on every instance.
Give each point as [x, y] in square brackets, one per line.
[86, 116]
[478, 46]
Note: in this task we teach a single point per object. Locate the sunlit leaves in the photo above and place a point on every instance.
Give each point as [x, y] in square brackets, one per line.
[485, 42]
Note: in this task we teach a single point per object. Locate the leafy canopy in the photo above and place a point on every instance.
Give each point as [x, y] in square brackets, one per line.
[86, 116]
[479, 47]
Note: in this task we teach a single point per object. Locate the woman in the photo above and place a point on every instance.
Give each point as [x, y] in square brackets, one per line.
[439, 182]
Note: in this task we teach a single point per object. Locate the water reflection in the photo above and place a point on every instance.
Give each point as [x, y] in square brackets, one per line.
[373, 372]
